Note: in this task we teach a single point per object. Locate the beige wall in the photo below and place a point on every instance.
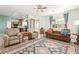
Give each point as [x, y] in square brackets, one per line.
[44, 21]
[73, 16]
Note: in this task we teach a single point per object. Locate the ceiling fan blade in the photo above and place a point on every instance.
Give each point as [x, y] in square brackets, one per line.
[44, 8]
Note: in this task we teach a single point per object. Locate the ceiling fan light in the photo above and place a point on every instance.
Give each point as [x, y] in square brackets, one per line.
[40, 8]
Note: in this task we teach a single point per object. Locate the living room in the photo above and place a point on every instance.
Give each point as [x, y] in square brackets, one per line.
[39, 29]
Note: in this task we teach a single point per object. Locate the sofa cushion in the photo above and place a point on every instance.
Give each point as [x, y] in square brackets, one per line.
[13, 38]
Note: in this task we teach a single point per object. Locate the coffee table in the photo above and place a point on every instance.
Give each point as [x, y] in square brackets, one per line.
[28, 34]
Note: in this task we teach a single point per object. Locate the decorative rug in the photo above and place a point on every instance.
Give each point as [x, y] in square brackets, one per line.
[44, 46]
[47, 47]
[13, 49]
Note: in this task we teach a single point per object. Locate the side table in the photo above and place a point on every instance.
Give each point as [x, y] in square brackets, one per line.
[28, 34]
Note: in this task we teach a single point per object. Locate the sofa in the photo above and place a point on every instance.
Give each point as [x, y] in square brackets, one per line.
[57, 35]
[12, 36]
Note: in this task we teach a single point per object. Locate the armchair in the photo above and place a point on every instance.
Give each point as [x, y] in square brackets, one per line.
[12, 36]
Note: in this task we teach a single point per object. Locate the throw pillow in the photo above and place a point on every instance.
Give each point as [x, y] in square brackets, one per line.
[49, 31]
[64, 32]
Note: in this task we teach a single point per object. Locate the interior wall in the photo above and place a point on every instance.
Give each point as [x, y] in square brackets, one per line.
[73, 16]
[58, 16]
[44, 21]
[3, 23]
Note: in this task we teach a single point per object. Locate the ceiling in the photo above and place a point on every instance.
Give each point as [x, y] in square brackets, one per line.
[23, 10]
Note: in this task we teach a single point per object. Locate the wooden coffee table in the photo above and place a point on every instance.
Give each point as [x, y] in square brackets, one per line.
[29, 34]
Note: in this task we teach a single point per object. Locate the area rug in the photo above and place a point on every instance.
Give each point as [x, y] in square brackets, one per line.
[42, 46]
[13, 49]
[47, 47]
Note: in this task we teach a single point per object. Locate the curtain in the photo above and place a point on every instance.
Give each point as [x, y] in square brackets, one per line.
[51, 18]
[78, 29]
[66, 19]
[27, 23]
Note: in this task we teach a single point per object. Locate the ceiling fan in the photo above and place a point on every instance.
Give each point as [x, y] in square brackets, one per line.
[40, 8]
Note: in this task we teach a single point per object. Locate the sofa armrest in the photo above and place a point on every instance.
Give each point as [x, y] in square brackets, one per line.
[68, 35]
[5, 38]
[20, 36]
